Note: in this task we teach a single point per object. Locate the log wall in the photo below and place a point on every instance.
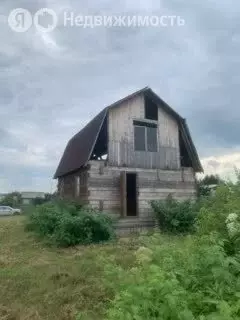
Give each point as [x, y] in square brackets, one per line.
[104, 187]
[100, 188]
[68, 189]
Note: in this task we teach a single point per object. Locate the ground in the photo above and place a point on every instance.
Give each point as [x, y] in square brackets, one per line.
[38, 282]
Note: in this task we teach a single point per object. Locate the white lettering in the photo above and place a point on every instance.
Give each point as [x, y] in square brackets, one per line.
[132, 21]
[154, 21]
[107, 21]
[172, 20]
[88, 22]
[119, 21]
[79, 21]
[67, 18]
[98, 21]
[180, 21]
[143, 21]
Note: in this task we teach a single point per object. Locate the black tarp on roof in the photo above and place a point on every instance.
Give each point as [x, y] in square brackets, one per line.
[81, 146]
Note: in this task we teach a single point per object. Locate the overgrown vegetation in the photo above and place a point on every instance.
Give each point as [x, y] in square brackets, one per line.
[68, 224]
[193, 280]
[189, 272]
[175, 216]
[198, 279]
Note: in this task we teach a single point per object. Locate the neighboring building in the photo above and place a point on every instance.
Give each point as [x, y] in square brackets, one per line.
[27, 197]
[135, 150]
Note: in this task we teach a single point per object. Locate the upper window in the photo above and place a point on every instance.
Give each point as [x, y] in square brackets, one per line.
[151, 139]
[145, 136]
[140, 138]
[151, 109]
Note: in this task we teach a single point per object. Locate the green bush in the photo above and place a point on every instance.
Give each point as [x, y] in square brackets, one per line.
[216, 209]
[68, 224]
[191, 280]
[175, 216]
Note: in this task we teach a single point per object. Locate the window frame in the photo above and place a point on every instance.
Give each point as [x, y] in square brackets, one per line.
[137, 126]
[145, 125]
[146, 134]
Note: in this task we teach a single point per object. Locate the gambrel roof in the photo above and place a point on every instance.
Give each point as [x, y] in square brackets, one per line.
[80, 148]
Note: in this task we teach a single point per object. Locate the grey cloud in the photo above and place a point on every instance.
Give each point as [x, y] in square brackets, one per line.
[50, 87]
[8, 140]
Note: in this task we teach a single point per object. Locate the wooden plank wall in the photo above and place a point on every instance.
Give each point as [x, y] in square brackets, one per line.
[67, 186]
[100, 187]
[126, 156]
[104, 187]
[121, 138]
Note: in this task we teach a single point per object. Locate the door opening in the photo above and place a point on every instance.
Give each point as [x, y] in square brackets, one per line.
[131, 193]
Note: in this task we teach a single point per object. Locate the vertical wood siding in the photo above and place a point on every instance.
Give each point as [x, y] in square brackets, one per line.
[121, 138]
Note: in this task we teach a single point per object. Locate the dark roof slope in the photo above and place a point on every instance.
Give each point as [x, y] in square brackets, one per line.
[80, 147]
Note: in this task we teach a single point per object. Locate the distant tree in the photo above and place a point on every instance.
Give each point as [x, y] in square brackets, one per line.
[203, 185]
[13, 199]
[212, 179]
[47, 197]
[38, 200]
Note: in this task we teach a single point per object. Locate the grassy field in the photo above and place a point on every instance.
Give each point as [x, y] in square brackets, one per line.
[195, 273]
[37, 282]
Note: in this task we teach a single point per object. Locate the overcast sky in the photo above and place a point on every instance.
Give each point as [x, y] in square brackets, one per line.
[51, 84]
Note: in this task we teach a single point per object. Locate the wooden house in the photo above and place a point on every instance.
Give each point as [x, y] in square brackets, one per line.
[136, 150]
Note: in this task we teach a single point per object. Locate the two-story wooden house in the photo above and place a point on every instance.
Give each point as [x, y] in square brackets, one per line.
[134, 151]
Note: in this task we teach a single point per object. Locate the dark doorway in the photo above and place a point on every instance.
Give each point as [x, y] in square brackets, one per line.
[131, 186]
